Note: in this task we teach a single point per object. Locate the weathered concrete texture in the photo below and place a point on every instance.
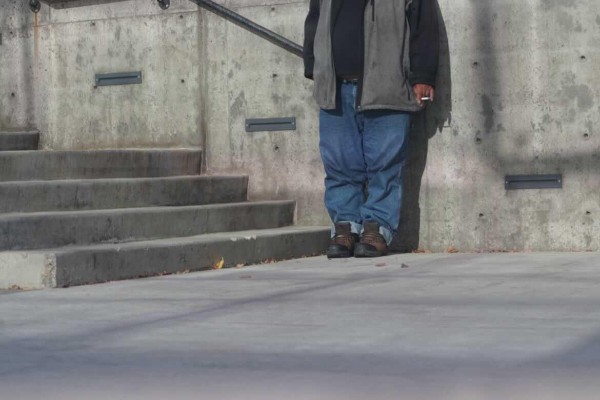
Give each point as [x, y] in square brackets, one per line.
[80, 265]
[474, 326]
[18, 140]
[525, 95]
[250, 78]
[163, 111]
[54, 229]
[45, 165]
[93, 194]
[16, 67]
[58, 53]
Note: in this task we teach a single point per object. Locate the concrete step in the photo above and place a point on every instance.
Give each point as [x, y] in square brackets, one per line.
[55, 229]
[102, 263]
[95, 164]
[19, 140]
[91, 194]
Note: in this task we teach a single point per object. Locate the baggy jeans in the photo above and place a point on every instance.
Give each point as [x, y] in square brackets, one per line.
[363, 150]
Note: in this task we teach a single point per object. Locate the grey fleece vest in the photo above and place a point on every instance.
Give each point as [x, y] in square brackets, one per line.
[385, 81]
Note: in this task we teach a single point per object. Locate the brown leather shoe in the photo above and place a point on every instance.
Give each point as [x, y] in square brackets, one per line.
[372, 243]
[342, 243]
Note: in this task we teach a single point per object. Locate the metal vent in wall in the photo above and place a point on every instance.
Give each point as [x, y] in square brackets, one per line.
[271, 124]
[516, 182]
[119, 78]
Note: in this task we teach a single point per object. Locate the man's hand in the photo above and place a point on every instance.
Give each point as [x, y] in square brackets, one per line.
[421, 91]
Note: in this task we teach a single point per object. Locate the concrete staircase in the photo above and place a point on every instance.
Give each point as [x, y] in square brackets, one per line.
[79, 217]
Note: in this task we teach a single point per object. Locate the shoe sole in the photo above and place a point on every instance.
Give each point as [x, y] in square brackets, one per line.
[344, 255]
[339, 251]
[363, 252]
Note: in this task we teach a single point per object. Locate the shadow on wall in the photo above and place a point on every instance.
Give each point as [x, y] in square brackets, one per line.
[426, 125]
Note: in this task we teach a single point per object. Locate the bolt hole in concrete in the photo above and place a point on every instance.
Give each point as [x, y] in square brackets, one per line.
[586, 135]
[478, 140]
[181, 16]
[276, 148]
[12, 95]
[183, 81]
[481, 215]
[475, 64]
[582, 57]
[588, 213]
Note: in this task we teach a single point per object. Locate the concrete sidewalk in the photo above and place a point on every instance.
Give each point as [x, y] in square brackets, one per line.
[418, 326]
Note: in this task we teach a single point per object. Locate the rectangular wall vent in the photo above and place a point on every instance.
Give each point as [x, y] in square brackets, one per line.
[119, 78]
[516, 182]
[270, 124]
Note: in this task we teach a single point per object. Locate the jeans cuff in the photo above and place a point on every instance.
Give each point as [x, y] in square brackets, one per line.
[386, 233]
[355, 227]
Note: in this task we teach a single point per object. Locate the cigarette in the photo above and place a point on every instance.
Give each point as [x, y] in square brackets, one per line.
[425, 98]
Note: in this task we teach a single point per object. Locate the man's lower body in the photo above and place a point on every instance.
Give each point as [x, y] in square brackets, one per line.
[362, 152]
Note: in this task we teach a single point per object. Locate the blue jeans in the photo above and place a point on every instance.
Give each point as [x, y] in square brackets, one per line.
[363, 150]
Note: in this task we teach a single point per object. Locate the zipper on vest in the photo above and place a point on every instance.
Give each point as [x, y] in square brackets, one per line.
[372, 10]
[335, 90]
[332, 21]
[361, 80]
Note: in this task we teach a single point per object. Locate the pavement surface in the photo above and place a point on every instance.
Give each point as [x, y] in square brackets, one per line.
[417, 326]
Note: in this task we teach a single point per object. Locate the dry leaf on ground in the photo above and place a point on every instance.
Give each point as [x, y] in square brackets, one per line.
[219, 264]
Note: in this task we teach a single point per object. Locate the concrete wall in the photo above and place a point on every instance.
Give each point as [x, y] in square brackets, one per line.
[16, 65]
[56, 53]
[518, 93]
[525, 99]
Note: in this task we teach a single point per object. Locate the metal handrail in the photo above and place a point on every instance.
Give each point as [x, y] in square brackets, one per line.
[250, 26]
[221, 11]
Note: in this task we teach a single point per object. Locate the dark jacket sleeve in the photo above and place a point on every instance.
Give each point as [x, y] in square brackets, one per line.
[310, 29]
[424, 41]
